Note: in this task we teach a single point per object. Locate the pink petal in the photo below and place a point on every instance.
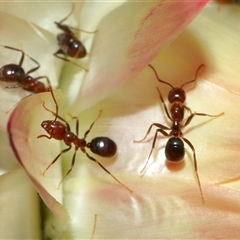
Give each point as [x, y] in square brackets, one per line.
[19, 34]
[34, 154]
[159, 208]
[20, 209]
[121, 50]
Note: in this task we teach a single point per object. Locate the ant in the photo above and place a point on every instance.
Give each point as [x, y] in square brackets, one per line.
[102, 146]
[174, 150]
[15, 73]
[68, 42]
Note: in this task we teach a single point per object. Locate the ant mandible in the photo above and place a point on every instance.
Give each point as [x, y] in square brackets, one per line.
[102, 146]
[68, 42]
[174, 150]
[15, 73]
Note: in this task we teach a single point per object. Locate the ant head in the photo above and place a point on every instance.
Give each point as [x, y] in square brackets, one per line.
[12, 73]
[177, 94]
[55, 129]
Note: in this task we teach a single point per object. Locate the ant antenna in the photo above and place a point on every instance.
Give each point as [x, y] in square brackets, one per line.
[160, 80]
[55, 101]
[68, 14]
[194, 77]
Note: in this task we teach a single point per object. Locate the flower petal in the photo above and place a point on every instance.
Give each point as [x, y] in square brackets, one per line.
[33, 154]
[159, 208]
[20, 210]
[127, 39]
[18, 33]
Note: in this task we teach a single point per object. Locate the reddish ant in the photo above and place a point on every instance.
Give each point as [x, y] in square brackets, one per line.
[68, 42]
[175, 150]
[15, 73]
[102, 146]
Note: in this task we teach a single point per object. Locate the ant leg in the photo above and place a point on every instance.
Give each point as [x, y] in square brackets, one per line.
[67, 60]
[188, 109]
[87, 132]
[96, 161]
[77, 122]
[195, 166]
[189, 119]
[22, 59]
[81, 30]
[56, 158]
[14, 86]
[70, 169]
[165, 107]
[94, 226]
[154, 124]
[153, 145]
[35, 68]
[16, 49]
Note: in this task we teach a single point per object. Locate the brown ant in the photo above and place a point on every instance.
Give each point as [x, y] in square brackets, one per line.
[15, 73]
[102, 146]
[175, 150]
[68, 42]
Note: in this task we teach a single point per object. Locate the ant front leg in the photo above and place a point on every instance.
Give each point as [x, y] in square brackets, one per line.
[195, 165]
[56, 54]
[164, 105]
[189, 119]
[87, 132]
[188, 109]
[19, 50]
[72, 164]
[14, 86]
[154, 140]
[156, 125]
[96, 161]
[56, 158]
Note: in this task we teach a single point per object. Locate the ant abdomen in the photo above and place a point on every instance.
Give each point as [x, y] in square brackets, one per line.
[103, 146]
[175, 150]
[71, 46]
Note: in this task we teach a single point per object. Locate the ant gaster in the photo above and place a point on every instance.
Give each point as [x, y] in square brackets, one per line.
[102, 146]
[174, 149]
[69, 44]
[15, 73]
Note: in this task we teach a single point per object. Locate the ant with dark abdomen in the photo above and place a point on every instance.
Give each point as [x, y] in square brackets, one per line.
[174, 150]
[15, 73]
[102, 146]
[69, 44]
